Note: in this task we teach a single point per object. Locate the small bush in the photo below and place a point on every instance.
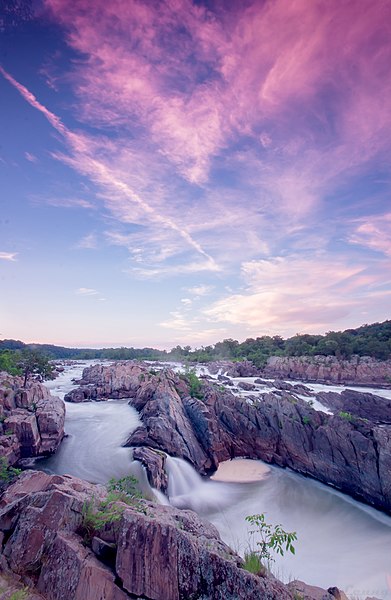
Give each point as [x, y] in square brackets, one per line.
[124, 489]
[194, 383]
[346, 415]
[7, 473]
[306, 420]
[97, 515]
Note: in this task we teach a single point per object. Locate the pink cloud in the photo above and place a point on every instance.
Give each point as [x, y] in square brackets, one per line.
[290, 294]
[374, 233]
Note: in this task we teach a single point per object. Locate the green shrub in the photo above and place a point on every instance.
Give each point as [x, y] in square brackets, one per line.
[7, 473]
[273, 538]
[96, 515]
[125, 489]
[306, 420]
[194, 383]
[346, 415]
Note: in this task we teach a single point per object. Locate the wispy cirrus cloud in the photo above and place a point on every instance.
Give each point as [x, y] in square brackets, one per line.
[233, 139]
[373, 232]
[88, 242]
[9, 256]
[295, 294]
[86, 292]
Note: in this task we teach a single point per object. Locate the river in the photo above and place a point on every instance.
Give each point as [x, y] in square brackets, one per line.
[340, 541]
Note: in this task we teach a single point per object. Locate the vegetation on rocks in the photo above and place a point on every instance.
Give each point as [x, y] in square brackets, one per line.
[7, 473]
[97, 514]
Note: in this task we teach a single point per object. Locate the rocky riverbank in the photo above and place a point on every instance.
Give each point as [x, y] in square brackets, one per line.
[146, 551]
[359, 370]
[351, 453]
[31, 419]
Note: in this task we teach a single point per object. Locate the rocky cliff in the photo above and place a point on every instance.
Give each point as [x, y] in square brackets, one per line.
[31, 420]
[356, 371]
[347, 452]
[146, 551]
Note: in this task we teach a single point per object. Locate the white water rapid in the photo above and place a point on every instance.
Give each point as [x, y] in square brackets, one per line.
[340, 541]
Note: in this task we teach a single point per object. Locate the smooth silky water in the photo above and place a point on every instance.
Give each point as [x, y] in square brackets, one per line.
[340, 541]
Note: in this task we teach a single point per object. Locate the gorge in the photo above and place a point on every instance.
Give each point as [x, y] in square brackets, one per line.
[93, 450]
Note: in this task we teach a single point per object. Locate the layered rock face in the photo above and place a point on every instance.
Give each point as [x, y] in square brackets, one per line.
[351, 454]
[32, 421]
[99, 382]
[358, 370]
[367, 406]
[149, 552]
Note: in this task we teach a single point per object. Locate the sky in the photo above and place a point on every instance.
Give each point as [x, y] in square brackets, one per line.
[180, 172]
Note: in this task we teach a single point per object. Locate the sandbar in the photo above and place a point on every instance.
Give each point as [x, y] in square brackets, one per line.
[241, 470]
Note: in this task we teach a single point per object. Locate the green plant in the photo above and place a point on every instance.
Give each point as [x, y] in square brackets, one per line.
[19, 594]
[124, 488]
[306, 420]
[96, 515]
[273, 538]
[346, 415]
[194, 383]
[7, 473]
[252, 563]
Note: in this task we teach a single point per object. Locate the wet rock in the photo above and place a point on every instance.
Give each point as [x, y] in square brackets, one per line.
[247, 387]
[362, 404]
[154, 462]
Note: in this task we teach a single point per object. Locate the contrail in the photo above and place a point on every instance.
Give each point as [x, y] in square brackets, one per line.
[98, 169]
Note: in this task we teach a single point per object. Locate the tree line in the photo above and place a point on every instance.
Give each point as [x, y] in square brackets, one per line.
[368, 340]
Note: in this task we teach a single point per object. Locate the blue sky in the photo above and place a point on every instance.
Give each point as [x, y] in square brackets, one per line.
[183, 172]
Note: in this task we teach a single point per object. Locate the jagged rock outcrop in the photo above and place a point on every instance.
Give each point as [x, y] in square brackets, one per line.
[32, 421]
[359, 370]
[367, 406]
[120, 380]
[351, 454]
[149, 552]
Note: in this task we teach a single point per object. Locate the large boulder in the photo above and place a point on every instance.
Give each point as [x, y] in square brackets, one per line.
[32, 420]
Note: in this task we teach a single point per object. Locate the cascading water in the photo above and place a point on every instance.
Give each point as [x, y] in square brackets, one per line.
[186, 489]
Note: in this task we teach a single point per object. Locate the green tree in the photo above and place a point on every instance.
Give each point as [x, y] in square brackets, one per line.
[8, 362]
[33, 362]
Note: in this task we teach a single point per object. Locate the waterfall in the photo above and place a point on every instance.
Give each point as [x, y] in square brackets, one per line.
[187, 489]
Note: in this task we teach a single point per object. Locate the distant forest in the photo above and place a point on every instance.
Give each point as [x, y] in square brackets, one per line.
[369, 340]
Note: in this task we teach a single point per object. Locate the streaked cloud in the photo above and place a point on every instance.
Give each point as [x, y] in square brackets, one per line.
[31, 157]
[86, 292]
[9, 256]
[237, 153]
[374, 233]
[88, 242]
[291, 294]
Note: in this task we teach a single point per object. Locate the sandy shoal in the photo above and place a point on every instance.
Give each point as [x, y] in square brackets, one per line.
[241, 470]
